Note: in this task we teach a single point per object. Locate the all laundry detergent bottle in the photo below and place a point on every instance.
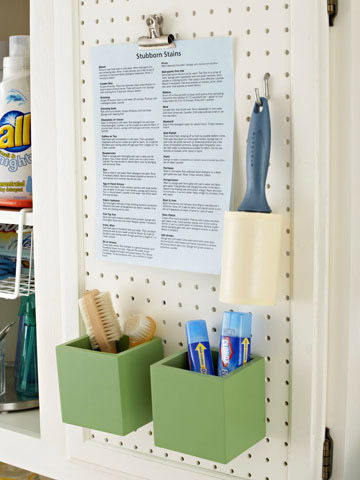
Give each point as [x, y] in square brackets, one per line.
[15, 126]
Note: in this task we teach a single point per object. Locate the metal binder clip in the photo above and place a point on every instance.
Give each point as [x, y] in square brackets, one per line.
[266, 90]
[156, 38]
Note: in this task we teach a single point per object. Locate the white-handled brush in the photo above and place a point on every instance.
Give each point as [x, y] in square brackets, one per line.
[139, 328]
[100, 320]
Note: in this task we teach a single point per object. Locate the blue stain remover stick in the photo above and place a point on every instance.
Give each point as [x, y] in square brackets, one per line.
[200, 358]
[235, 342]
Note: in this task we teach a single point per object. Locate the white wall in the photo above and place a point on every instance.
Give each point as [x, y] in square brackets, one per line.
[344, 311]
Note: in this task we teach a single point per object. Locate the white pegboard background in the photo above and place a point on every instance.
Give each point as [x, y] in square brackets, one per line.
[261, 41]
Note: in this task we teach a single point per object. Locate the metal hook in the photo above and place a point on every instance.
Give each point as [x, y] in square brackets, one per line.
[266, 90]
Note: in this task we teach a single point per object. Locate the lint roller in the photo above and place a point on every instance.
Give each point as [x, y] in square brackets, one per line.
[252, 235]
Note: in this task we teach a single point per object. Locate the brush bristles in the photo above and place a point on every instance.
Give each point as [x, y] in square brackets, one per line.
[108, 318]
[86, 320]
[139, 328]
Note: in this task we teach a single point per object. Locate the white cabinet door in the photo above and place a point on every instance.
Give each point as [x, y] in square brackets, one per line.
[291, 42]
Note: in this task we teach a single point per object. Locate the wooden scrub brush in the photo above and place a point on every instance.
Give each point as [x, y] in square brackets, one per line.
[102, 325]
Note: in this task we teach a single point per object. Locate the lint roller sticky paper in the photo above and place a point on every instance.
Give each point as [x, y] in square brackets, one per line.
[252, 235]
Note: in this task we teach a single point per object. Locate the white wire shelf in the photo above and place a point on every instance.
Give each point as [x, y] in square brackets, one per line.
[22, 284]
[11, 217]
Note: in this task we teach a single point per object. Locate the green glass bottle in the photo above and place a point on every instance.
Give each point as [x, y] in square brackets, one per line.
[27, 381]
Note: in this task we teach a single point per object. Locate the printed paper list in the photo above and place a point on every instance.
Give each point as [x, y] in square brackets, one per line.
[164, 153]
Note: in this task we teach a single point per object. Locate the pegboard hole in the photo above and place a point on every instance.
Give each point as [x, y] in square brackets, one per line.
[194, 13]
[106, 439]
[267, 7]
[268, 359]
[150, 432]
[151, 450]
[147, 280]
[229, 33]
[229, 10]
[287, 361]
[179, 324]
[213, 309]
[116, 277]
[248, 75]
[132, 298]
[267, 459]
[249, 475]
[213, 289]
[248, 9]
[180, 305]
[248, 53]
[196, 286]
[180, 285]
[248, 32]
[135, 447]
[249, 455]
[268, 379]
[287, 340]
[268, 400]
[286, 444]
[180, 344]
[267, 419]
[197, 307]
[267, 440]
[121, 443]
[164, 322]
[231, 470]
[197, 462]
[268, 338]
[211, 11]
[267, 30]
[286, 423]
[131, 279]
[286, 403]
[117, 296]
[267, 52]
[164, 302]
[164, 341]
[92, 436]
[87, 274]
[163, 283]
[166, 454]
[148, 300]
[285, 464]
[215, 467]
[213, 329]
[182, 459]
[286, 6]
[112, 19]
[194, 35]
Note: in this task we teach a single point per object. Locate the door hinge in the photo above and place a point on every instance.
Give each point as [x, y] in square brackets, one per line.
[332, 7]
[328, 450]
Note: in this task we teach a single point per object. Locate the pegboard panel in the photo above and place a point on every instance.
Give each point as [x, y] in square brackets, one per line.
[261, 40]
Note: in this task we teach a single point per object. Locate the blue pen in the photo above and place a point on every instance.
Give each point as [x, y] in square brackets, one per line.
[200, 358]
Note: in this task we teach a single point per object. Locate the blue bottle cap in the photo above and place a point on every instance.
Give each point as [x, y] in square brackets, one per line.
[237, 324]
[196, 331]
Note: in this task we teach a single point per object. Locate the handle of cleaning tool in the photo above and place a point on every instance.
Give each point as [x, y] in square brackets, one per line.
[257, 160]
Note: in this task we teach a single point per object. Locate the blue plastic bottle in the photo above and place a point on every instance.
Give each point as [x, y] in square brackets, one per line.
[235, 342]
[200, 359]
[27, 381]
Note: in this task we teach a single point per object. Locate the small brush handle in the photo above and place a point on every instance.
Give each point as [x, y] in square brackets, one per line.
[257, 160]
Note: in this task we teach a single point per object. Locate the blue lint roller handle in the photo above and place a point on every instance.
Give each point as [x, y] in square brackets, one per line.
[257, 160]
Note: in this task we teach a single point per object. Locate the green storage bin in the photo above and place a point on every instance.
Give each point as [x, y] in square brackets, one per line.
[105, 391]
[215, 418]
